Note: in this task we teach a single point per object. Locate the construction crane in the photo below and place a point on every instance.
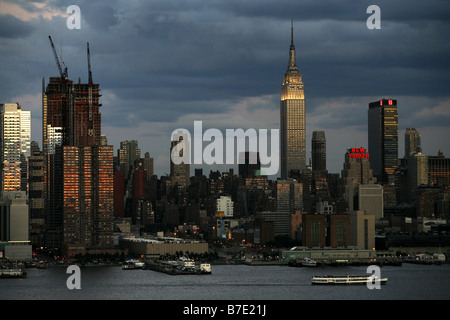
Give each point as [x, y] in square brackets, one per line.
[61, 73]
[89, 64]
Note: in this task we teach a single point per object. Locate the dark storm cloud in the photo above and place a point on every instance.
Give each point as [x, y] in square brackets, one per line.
[160, 61]
[12, 28]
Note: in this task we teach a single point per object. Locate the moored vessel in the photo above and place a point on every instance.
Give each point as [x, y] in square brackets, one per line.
[307, 262]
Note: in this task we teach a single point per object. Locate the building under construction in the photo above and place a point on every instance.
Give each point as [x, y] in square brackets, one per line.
[78, 166]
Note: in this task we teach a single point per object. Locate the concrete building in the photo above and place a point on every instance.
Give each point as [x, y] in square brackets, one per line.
[362, 230]
[14, 216]
[370, 199]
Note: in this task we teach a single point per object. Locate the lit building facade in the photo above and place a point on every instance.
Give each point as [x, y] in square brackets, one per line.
[383, 138]
[88, 196]
[15, 129]
[292, 119]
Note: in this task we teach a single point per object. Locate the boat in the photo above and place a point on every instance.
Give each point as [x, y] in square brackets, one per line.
[133, 264]
[347, 279]
[13, 273]
[205, 268]
[307, 262]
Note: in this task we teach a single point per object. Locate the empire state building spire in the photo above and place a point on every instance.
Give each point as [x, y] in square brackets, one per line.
[292, 63]
[292, 118]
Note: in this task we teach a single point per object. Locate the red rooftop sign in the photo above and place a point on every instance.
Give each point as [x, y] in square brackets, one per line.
[358, 153]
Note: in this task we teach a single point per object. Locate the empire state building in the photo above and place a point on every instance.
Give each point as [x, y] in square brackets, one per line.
[292, 119]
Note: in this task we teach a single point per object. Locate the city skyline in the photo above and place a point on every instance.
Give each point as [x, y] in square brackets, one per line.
[163, 66]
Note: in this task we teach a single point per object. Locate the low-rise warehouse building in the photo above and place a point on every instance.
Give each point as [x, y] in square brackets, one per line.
[161, 246]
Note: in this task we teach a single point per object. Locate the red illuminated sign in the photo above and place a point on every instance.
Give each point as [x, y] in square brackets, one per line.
[358, 153]
[390, 102]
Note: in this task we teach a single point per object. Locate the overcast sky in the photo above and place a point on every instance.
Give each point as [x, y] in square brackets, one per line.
[164, 64]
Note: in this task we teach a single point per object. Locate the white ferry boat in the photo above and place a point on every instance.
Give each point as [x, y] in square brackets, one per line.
[362, 279]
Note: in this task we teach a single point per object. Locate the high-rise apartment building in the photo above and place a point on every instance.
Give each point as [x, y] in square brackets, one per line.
[412, 142]
[15, 139]
[383, 138]
[319, 151]
[88, 197]
[292, 119]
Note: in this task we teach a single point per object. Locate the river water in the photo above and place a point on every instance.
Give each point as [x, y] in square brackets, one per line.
[228, 282]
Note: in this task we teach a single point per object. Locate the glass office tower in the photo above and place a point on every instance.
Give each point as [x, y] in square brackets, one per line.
[383, 139]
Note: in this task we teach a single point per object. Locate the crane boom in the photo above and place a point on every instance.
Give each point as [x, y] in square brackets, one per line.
[89, 63]
[56, 57]
[61, 73]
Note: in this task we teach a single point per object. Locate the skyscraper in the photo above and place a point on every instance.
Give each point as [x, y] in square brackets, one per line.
[383, 138]
[292, 118]
[78, 167]
[180, 172]
[356, 171]
[319, 151]
[412, 142]
[417, 173]
[15, 139]
[128, 154]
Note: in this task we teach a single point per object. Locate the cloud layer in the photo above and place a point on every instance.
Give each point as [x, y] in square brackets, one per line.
[163, 64]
